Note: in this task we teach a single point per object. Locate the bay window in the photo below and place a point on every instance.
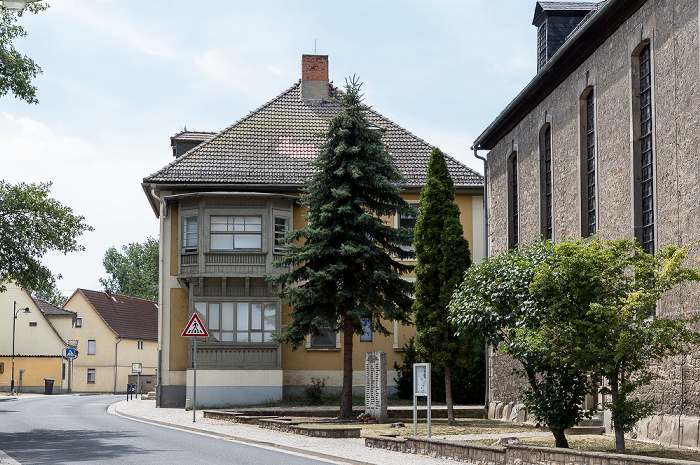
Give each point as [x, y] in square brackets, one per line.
[242, 322]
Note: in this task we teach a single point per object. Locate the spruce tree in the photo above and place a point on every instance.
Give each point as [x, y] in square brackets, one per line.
[343, 263]
[443, 256]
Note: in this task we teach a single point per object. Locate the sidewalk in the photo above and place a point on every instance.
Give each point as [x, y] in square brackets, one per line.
[336, 450]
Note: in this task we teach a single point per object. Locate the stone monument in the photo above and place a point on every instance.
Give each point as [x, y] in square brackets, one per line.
[375, 385]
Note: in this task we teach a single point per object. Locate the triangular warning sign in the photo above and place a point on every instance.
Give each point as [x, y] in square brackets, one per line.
[195, 328]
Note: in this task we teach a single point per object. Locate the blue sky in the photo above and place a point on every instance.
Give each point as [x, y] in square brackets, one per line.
[122, 76]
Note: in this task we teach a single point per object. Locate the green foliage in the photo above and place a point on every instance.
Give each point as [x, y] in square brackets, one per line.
[32, 224]
[467, 383]
[343, 259]
[343, 265]
[443, 255]
[494, 300]
[17, 70]
[51, 295]
[610, 289]
[134, 270]
[314, 394]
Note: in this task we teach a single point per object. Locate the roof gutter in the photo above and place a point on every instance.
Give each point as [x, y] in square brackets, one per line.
[502, 123]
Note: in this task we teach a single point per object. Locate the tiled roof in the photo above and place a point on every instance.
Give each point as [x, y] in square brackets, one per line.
[126, 316]
[274, 144]
[49, 309]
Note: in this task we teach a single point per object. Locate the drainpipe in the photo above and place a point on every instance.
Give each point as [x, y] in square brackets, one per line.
[486, 254]
[116, 359]
[161, 254]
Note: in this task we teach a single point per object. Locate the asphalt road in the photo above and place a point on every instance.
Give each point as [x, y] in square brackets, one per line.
[78, 429]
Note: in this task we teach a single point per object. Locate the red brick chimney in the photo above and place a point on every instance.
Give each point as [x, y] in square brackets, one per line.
[314, 77]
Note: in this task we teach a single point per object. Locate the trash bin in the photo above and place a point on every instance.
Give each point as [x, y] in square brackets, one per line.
[48, 386]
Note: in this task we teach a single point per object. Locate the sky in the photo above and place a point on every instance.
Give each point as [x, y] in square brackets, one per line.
[120, 77]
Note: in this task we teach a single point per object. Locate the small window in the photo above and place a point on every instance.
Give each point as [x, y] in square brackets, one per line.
[91, 375]
[281, 228]
[32, 324]
[366, 335]
[407, 220]
[139, 345]
[78, 322]
[189, 234]
[2, 367]
[91, 346]
[324, 340]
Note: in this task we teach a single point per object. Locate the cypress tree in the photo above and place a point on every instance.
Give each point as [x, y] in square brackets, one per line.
[343, 263]
[443, 255]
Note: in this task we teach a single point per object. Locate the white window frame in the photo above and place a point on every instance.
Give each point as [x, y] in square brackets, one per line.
[93, 372]
[79, 322]
[397, 223]
[94, 348]
[278, 234]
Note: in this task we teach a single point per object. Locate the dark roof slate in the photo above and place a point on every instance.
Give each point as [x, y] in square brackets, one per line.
[50, 309]
[561, 8]
[274, 144]
[128, 317]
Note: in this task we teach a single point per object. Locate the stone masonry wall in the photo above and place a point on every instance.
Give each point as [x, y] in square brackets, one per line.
[671, 27]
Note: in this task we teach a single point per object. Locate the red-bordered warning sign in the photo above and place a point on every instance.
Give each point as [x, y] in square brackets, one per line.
[195, 328]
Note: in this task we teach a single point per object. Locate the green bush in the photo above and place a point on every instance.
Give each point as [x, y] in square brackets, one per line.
[313, 394]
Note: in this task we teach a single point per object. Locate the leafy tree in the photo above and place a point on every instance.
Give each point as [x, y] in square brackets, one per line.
[443, 255]
[31, 224]
[343, 266]
[495, 300]
[613, 287]
[134, 270]
[51, 295]
[16, 70]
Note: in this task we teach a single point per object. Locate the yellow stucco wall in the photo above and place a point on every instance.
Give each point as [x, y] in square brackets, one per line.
[35, 370]
[179, 316]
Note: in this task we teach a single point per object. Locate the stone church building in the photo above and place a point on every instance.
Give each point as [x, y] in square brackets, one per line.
[605, 140]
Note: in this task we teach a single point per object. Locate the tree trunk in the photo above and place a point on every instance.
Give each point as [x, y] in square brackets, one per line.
[346, 395]
[448, 397]
[559, 438]
[617, 425]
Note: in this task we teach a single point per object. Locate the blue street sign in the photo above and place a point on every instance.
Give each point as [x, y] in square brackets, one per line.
[69, 352]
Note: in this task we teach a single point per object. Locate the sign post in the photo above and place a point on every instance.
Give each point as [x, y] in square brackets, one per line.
[70, 354]
[421, 387]
[137, 368]
[195, 329]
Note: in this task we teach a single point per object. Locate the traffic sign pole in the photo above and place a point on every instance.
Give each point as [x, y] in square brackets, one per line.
[195, 329]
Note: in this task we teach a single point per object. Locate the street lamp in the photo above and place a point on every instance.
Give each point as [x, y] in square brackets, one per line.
[14, 324]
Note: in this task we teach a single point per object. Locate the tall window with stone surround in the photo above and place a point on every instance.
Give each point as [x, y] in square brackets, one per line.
[591, 223]
[513, 227]
[646, 158]
[546, 189]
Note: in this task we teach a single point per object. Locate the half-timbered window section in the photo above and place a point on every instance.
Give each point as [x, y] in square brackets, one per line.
[647, 153]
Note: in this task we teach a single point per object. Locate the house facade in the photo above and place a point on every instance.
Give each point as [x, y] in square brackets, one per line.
[605, 140]
[39, 338]
[223, 204]
[112, 332]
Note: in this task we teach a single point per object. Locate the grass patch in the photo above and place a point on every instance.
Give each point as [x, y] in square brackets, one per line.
[600, 443]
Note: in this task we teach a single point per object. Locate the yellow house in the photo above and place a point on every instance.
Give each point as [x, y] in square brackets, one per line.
[113, 332]
[39, 331]
[222, 204]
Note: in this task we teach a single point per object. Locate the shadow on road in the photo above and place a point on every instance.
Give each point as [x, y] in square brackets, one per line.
[49, 446]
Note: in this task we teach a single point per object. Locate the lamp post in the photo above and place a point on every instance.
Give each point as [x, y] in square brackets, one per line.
[14, 324]
[16, 4]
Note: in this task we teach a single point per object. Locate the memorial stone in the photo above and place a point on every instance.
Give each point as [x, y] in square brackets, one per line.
[375, 385]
